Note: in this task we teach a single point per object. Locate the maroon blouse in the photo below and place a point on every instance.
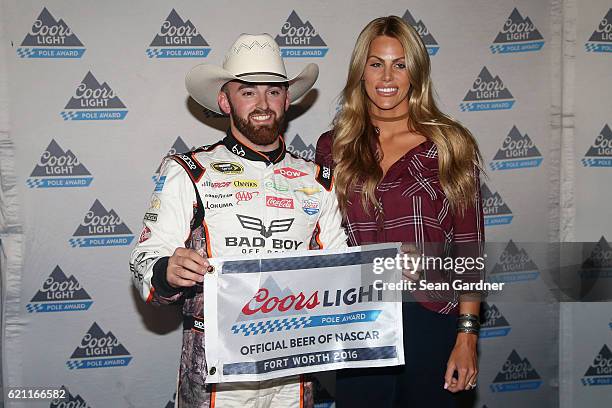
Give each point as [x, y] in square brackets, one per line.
[415, 209]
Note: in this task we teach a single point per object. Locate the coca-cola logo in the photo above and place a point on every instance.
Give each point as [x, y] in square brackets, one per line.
[290, 173]
[279, 202]
[264, 303]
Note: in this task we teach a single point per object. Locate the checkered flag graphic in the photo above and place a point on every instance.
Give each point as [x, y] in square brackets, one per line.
[34, 182]
[153, 52]
[590, 47]
[465, 107]
[496, 48]
[77, 242]
[34, 307]
[25, 52]
[73, 364]
[496, 165]
[69, 115]
[586, 161]
[271, 325]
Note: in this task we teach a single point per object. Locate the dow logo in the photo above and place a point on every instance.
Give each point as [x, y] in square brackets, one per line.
[487, 93]
[98, 350]
[517, 374]
[58, 168]
[59, 293]
[601, 39]
[600, 371]
[599, 262]
[299, 148]
[300, 39]
[94, 101]
[514, 265]
[495, 209]
[495, 324]
[179, 146]
[178, 38]
[517, 151]
[50, 38]
[69, 400]
[101, 228]
[600, 152]
[421, 28]
[517, 35]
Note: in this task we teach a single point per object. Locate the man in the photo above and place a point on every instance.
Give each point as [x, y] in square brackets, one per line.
[243, 195]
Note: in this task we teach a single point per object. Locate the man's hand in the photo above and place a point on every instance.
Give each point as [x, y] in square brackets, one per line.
[186, 268]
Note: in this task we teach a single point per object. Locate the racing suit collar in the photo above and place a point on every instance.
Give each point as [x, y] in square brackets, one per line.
[233, 145]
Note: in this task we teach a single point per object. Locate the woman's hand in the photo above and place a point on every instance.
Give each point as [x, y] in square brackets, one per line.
[463, 360]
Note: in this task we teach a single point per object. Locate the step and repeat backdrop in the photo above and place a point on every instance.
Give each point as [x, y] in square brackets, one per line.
[95, 99]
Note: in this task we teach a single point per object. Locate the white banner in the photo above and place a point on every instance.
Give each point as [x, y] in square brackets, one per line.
[300, 312]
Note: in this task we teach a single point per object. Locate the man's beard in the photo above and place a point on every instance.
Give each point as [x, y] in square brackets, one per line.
[262, 135]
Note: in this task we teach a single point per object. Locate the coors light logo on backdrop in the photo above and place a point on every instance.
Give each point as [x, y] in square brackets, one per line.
[101, 228]
[298, 148]
[517, 152]
[94, 101]
[517, 374]
[496, 211]
[58, 168]
[599, 262]
[487, 93]
[97, 350]
[60, 294]
[514, 265]
[421, 28]
[495, 324]
[178, 38]
[601, 39]
[179, 146]
[300, 39]
[600, 152]
[69, 400]
[600, 371]
[517, 35]
[50, 38]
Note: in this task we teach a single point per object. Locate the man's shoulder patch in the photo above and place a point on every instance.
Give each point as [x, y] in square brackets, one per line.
[190, 164]
[325, 177]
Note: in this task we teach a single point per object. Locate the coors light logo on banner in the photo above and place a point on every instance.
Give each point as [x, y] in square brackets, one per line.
[94, 101]
[495, 209]
[179, 146]
[600, 152]
[517, 35]
[600, 372]
[487, 93]
[98, 350]
[101, 228]
[178, 38]
[601, 39]
[300, 39]
[50, 38]
[517, 374]
[58, 168]
[514, 265]
[599, 262]
[69, 400]
[495, 324]
[60, 294]
[419, 26]
[517, 152]
[298, 148]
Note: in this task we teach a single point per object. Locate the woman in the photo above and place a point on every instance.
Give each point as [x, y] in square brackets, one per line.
[404, 171]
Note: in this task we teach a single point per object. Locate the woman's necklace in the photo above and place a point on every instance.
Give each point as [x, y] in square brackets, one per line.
[392, 119]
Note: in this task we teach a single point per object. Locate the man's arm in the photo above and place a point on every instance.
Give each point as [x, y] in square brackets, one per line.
[329, 233]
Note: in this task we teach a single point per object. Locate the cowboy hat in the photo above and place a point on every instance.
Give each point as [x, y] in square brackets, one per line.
[252, 58]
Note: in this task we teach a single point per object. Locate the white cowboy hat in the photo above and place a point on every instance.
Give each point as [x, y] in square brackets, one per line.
[252, 58]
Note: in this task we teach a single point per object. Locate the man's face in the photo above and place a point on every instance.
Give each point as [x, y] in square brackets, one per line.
[256, 110]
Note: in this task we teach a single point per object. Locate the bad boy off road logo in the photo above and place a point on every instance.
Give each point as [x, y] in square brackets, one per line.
[50, 38]
[487, 93]
[58, 168]
[421, 28]
[94, 101]
[601, 39]
[178, 38]
[517, 35]
[300, 39]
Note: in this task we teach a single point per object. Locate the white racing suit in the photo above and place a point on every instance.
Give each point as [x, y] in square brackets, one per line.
[246, 203]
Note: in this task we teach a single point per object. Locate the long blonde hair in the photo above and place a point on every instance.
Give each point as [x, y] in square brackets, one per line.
[356, 162]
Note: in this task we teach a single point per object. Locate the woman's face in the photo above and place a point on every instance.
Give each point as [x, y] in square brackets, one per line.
[386, 77]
